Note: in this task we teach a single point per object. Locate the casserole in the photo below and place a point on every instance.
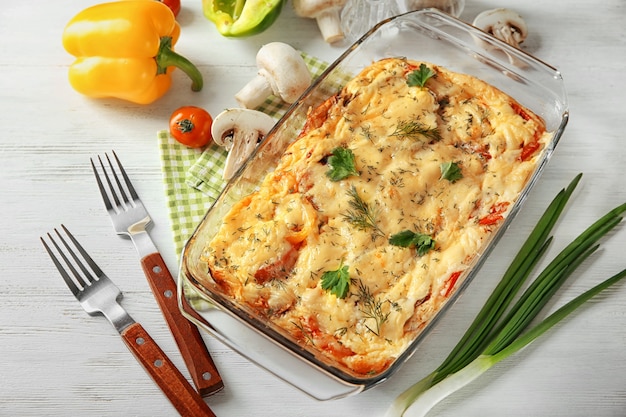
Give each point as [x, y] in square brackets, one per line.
[418, 37]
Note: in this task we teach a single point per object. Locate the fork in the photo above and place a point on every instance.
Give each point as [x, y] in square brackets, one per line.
[98, 294]
[130, 218]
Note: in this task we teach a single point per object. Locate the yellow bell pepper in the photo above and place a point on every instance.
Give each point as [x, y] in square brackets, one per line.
[124, 49]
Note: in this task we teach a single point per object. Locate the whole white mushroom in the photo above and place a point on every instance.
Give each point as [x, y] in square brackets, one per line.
[282, 72]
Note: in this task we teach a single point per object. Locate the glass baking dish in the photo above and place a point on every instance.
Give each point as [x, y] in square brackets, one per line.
[425, 35]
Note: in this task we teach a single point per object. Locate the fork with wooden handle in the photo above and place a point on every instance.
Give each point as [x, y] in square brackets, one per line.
[130, 218]
[98, 294]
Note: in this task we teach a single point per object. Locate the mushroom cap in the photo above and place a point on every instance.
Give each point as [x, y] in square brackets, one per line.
[232, 122]
[504, 24]
[285, 70]
[311, 8]
[239, 131]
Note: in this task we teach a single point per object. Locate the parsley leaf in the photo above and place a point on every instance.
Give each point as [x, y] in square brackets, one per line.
[420, 76]
[337, 281]
[451, 171]
[341, 164]
[423, 243]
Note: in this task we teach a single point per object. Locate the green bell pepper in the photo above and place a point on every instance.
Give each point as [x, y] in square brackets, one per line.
[238, 18]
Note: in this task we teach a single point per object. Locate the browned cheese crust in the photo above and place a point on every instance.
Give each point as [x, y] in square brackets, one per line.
[275, 245]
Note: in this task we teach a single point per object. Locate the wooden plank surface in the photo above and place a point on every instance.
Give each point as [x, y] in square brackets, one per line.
[57, 361]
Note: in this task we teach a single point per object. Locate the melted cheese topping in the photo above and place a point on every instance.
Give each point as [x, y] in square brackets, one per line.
[274, 246]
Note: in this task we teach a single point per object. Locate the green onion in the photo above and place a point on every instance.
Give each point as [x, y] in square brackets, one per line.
[500, 330]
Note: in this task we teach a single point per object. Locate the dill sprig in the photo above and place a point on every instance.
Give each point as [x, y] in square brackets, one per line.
[415, 130]
[306, 333]
[372, 307]
[362, 216]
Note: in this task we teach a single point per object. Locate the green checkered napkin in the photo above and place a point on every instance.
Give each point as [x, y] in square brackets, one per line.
[193, 178]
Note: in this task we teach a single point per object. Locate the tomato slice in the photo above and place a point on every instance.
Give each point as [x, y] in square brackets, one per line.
[454, 277]
[495, 214]
[191, 126]
[529, 150]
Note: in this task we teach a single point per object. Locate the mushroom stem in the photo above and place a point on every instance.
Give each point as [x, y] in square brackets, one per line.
[330, 26]
[244, 142]
[253, 94]
[326, 13]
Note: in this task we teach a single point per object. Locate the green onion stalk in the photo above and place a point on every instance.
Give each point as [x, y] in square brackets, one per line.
[501, 329]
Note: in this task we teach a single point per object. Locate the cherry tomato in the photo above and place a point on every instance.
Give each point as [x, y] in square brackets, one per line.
[174, 5]
[191, 126]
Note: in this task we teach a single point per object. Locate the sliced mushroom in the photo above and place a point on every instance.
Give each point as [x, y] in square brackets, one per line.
[282, 72]
[503, 24]
[239, 131]
[326, 12]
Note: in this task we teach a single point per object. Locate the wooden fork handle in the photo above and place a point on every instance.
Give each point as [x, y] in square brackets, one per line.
[173, 384]
[187, 336]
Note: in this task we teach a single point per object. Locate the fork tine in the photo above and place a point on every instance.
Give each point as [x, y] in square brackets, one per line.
[68, 280]
[117, 179]
[92, 264]
[110, 183]
[87, 278]
[129, 184]
[79, 278]
[105, 196]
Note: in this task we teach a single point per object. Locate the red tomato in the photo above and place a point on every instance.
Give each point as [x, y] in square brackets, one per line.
[191, 126]
[174, 5]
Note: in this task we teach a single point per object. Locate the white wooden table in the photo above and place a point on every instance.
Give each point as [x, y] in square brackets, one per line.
[57, 361]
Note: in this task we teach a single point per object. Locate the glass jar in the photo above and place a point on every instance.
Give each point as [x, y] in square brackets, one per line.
[359, 16]
[452, 7]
